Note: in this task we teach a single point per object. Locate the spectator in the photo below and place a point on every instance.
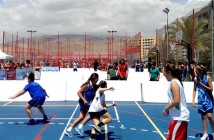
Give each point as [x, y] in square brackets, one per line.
[149, 65]
[75, 66]
[96, 65]
[154, 73]
[54, 64]
[108, 65]
[127, 71]
[116, 65]
[122, 70]
[141, 66]
[137, 66]
[111, 74]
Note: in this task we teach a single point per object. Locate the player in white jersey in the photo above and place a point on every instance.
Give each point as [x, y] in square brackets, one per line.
[177, 107]
[97, 110]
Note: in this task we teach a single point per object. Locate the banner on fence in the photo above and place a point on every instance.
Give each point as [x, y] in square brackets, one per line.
[11, 74]
[29, 70]
[20, 74]
[50, 69]
[2, 75]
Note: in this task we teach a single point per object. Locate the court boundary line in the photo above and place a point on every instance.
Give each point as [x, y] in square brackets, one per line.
[163, 137]
[41, 118]
[116, 112]
[63, 133]
[34, 118]
[106, 132]
[118, 119]
[38, 136]
[43, 105]
[7, 103]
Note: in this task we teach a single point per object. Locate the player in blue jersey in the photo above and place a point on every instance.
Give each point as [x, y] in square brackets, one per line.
[203, 87]
[86, 95]
[38, 95]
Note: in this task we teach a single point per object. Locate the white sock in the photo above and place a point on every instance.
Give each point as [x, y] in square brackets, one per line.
[80, 126]
[69, 129]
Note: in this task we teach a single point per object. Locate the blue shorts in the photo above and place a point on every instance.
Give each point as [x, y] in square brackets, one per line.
[204, 113]
[97, 114]
[36, 102]
[83, 107]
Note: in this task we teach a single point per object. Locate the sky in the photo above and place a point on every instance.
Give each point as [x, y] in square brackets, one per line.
[49, 17]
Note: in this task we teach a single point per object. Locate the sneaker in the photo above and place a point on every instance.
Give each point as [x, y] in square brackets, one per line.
[69, 133]
[45, 119]
[205, 136]
[80, 131]
[97, 128]
[31, 122]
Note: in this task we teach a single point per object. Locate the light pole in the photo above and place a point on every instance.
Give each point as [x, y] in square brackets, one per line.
[166, 10]
[108, 43]
[212, 38]
[112, 42]
[31, 32]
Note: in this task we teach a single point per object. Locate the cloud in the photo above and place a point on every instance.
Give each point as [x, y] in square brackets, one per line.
[91, 16]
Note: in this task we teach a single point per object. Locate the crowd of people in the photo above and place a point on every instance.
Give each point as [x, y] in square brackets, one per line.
[115, 71]
[7, 65]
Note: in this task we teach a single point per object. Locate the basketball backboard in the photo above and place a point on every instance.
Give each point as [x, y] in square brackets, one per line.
[179, 36]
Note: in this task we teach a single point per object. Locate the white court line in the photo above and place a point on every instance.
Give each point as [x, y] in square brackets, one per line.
[63, 133]
[116, 112]
[151, 104]
[34, 118]
[192, 137]
[7, 103]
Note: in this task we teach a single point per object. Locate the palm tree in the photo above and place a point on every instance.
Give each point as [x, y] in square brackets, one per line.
[202, 38]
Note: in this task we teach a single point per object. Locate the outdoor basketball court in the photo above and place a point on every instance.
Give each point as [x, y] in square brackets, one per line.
[131, 120]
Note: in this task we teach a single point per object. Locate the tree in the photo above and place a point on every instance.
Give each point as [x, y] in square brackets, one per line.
[202, 37]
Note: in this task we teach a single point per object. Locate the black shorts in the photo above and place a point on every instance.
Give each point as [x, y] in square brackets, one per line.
[97, 114]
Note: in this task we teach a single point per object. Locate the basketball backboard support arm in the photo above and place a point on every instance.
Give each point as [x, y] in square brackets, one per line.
[179, 38]
[189, 50]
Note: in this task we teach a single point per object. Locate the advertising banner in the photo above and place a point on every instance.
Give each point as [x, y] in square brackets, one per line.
[20, 74]
[2, 75]
[11, 74]
[50, 69]
[29, 70]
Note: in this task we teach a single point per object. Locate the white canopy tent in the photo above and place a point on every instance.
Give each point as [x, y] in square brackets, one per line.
[5, 56]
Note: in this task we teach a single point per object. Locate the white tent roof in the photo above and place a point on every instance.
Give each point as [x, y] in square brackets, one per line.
[5, 56]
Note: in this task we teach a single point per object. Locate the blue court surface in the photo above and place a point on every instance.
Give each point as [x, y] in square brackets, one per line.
[131, 121]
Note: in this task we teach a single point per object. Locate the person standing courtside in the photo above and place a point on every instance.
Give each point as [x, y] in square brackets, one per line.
[154, 73]
[122, 70]
[137, 66]
[203, 86]
[177, 107]
[75, 66]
